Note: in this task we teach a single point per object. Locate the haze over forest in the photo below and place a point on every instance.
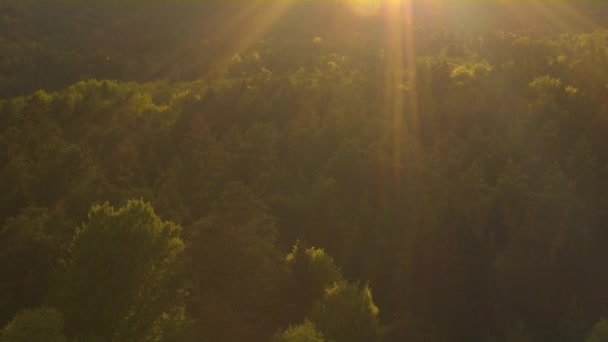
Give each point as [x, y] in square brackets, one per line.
[304, 171]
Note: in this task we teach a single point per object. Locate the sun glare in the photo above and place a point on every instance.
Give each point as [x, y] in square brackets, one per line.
[398, 19]
[249, 25]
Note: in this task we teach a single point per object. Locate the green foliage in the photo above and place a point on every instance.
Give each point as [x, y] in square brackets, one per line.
[237, 270]
[599, 333]
[123, 274]
[518, 333]
[463, 173]
[319, 267]
[346, 313]
[305, 332]
[31, 245]
[311, 272]
[40, 324]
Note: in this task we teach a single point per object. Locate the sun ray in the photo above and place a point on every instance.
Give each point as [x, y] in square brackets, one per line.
[246, 28]
[558, 15]
[395, 37]
[249, 22]
[566, 10]
[550, 14]
[410, 62]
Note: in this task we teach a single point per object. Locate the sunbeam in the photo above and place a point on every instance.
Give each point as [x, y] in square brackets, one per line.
[246, 28]
[561, 16]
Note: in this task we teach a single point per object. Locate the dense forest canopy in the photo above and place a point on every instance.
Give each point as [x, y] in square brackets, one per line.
[303, 171]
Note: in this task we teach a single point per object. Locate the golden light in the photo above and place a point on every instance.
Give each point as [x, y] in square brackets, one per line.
[399, 18]
[246, 27]
[560, 15]
[399, 72]
[365, 8]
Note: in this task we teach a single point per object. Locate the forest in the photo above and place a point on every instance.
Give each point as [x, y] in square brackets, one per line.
[340, 171]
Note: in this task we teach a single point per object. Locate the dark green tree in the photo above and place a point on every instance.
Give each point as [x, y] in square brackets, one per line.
[237, 271]
[31, 244]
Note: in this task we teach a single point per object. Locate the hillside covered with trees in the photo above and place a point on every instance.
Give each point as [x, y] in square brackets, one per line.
[276, 171]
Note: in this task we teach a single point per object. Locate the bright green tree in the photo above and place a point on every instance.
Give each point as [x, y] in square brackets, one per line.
[41, 324]
[305, 332]
[122, 280]
[347, 313]
[599, 333]
[311, 272]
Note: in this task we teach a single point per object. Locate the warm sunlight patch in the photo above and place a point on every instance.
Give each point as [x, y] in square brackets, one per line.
[365, 8]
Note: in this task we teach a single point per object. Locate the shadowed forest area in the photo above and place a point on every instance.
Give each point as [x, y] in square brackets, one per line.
[303, 171]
